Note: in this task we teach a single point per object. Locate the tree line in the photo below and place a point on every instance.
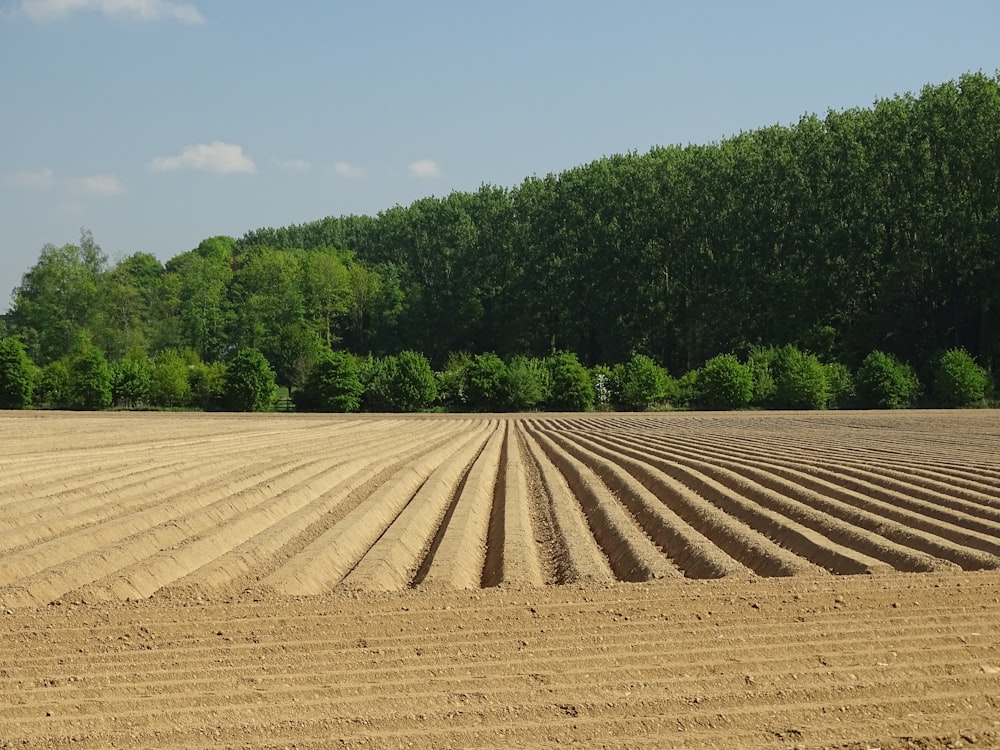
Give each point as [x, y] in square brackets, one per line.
[867, 230]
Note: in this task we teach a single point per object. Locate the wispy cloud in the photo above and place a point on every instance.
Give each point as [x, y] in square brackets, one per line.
[46, 178]
[47, 11]
[217, 156]
[346, 169]
[30, 178]
[425, 168]
[102, 184]
[292, 165]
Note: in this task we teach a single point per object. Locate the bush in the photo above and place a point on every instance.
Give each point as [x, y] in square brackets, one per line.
[377, 375]
[725, 383]
[451, 381]
[249, 382]
[130, 381]
[413, 387]
[571, 386]
[761, 364]
[883, 382]
[641, 384]
[53, 386]
[799, 379]
[841, 385]
[332, 385]
[958, 382]
[682, 392]
[17, 376]
[89, 379]
[485, 376]
[207, 381]
[170, 384]
[604, 380]
[525, 385]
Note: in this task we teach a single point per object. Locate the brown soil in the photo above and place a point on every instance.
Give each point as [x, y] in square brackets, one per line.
[683, 580]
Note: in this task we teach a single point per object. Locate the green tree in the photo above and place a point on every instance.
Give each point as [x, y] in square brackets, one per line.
[377, 375]
[58, 299]
[131, 378]
[958, 382]
[800, 380]
[724, 383]
[485, 375]
[250, 383]
[207, 382]
[413, 387]
[642, 383]
[332, 385]
[841, 382]
[883, 382]
[17, 377]
[525, 385]
[53, 388]
[89, 378]
[571, 386]
[170, 386]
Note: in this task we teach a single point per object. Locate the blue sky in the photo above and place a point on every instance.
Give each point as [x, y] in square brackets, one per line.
[158, 123]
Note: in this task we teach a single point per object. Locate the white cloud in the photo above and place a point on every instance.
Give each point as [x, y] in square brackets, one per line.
[219, 157]
[38, 178]
[345, 169]
[292, 165]
[44, 11]
[425, 168]
[102, 184]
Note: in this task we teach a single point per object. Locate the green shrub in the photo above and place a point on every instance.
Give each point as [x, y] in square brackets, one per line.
[883, 382]
[170, 385]
[682, 392]
[485, 376]
[761, 364]
[332, 385]
[377, 375]
[17, 376]
[53, 385]
[89, 379]
[841, 385]
[130, 381]
[413, 387]
[571, 386]
[451, 381]
[799, 379]
[207, 381]
[604, 379]
[724, 383]
[249, 382]
[958, 382]
[525, 384]
[641, 384]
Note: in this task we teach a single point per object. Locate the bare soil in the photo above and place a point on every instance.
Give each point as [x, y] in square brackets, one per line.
[681, 580]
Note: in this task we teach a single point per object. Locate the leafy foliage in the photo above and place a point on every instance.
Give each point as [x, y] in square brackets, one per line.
[883, 382]
[485, 378]
[17, 378]
[249, 383]
[169, 383]
[131, 379]
[800, 380]
[333, 385]
[641, 383]
[958, 381]
[525, 384]
[413, 387]
[724, 383]
[89, 379]
[571, 387]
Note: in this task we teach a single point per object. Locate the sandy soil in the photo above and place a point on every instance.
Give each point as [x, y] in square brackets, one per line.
[688, 580]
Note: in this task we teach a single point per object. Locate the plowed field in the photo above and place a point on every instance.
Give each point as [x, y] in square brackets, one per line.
[680, 580]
